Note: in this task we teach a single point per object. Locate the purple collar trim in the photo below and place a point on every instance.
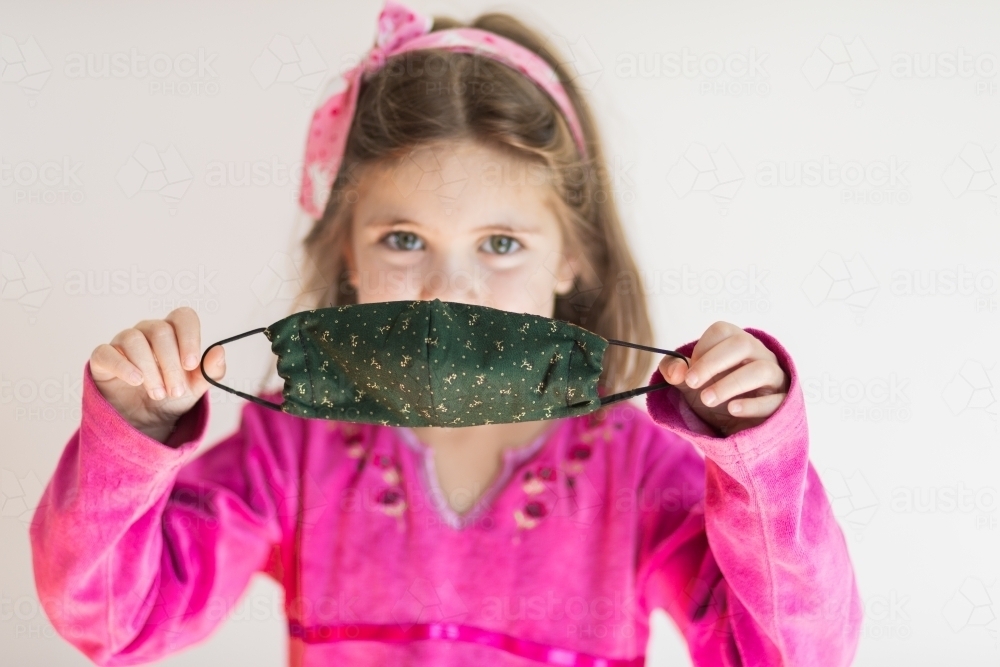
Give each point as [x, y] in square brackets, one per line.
[512, 458]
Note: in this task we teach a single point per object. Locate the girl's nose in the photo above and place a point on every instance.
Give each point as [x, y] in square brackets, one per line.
[452, 280]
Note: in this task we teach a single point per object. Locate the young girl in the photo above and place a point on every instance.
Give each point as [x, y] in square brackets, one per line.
[459, 164]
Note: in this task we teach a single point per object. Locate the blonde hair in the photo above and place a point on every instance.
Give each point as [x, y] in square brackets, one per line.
[429, 96]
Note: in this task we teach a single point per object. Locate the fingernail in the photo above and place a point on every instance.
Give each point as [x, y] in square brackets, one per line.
[158, 394]
[177, 392]
[708, 398]
[735, 408]
[191, 361]
[135, 378]
[692, 380]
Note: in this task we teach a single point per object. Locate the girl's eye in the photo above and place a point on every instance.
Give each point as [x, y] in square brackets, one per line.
[501, 245]
[402, 240]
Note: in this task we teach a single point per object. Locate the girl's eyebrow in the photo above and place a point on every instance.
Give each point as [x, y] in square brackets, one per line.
[509, 227]
[498, 226]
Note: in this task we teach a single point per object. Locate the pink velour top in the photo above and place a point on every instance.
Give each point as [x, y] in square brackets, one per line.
[140, 548]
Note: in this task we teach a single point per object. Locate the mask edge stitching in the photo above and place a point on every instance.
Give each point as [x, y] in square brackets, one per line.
[307, 364]
[569, 377]
[427, 355]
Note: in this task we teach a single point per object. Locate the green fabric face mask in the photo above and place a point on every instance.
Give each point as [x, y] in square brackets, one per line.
[435, 363]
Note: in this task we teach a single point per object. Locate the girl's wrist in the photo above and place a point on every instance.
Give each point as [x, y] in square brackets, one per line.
[161, 432]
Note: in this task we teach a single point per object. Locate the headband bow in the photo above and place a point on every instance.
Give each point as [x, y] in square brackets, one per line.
[401, 29]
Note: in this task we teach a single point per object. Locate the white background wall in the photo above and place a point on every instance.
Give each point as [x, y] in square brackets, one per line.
[880, 276]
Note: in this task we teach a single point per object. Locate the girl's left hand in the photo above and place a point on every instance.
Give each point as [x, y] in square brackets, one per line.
[734, 381]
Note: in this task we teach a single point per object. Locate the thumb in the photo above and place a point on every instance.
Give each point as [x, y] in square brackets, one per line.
[215, 366]
[673, 370]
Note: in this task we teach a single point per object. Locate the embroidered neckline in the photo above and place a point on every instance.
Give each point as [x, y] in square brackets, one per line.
[512, 458]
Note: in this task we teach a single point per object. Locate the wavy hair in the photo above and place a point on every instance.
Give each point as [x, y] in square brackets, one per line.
[426, 97]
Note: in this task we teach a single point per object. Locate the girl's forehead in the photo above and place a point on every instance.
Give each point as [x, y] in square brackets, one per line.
[440, 164]
[464, 186]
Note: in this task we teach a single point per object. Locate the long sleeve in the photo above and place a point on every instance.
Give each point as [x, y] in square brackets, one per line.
[140, 548]
[755, 570]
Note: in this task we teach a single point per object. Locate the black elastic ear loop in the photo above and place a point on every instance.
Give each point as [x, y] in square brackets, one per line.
[267, 404]
[641, 390]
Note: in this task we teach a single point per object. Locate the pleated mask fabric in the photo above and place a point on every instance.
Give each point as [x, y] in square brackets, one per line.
[435, 363]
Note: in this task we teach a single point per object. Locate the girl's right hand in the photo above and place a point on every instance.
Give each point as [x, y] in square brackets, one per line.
[150, 373]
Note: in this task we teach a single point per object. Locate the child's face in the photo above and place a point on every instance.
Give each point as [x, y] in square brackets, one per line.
[467, 225]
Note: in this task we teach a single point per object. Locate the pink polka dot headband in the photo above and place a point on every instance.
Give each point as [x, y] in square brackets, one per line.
[401, 29]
